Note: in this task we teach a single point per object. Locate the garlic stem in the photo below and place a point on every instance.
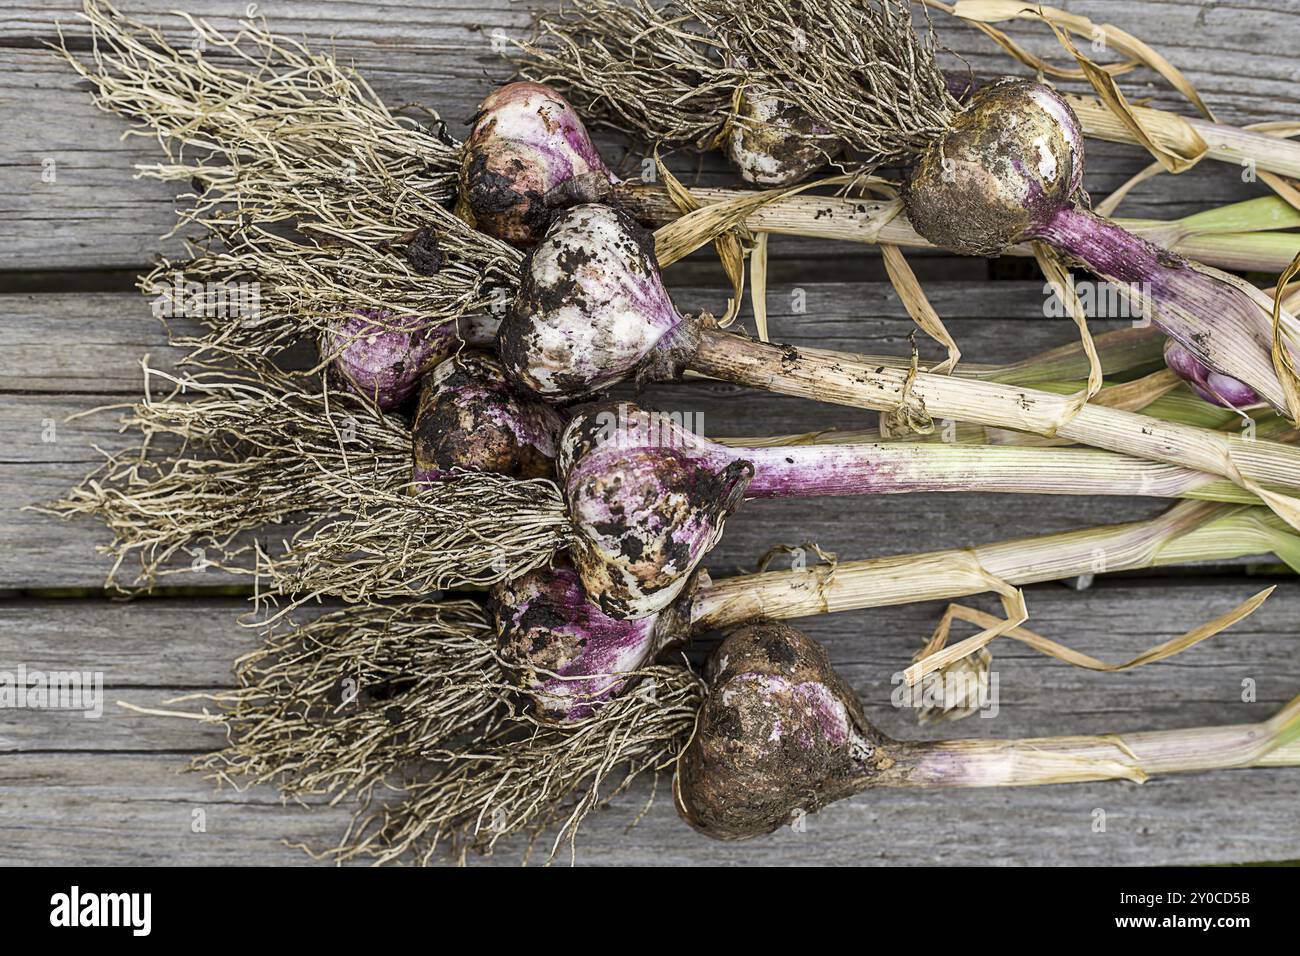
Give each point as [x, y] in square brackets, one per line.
[1262, 214]
[1227, 144]
[902, 467]
[789, 371]
[1189, 304]
[1189, 531]
[1034, 761]
[873, 222]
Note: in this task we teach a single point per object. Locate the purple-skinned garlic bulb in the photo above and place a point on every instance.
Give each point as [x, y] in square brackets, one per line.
[468, 417]
[1010, 169]
[592, 309]
[774, 143]
[647, 505]
[1010, 160]
[527, 155]
[779, 734]
[382, 357]
[649, 498]
[569, 655]
[1215, 388]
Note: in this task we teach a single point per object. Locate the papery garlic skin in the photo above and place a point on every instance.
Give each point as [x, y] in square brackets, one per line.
[780, 734]
[382, 357]
[645, 513]
[567, 654]
[591, 309]
[774, 143]
[469, 417]
[527, 155]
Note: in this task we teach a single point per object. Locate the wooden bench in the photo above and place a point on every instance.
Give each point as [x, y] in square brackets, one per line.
[72, 331]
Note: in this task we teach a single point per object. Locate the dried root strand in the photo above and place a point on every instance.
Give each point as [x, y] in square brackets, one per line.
[306, 184]
[670, 74]
[302, 287]
[547, 779]
[642, 69]
[474, 529]
[261, 102]
[857, 67]
[221, 454]
[308, 190]
[355, 698]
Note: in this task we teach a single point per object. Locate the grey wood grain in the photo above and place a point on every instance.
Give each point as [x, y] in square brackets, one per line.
[136, 809]
[109, 790]
[80, 343]
[172, 643]
[97, 215]
[106, 791]
[69, 354]
[92, 343]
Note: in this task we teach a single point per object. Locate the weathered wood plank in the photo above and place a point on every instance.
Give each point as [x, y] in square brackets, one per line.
[1162, 822]
[117, 729]
[148, 651]
[93, 342]
[80, 343]
[139, 810]
[97, 216]
[172, 643]
[69, 354]
[122, 809]
[1236, 54]
[133, 807]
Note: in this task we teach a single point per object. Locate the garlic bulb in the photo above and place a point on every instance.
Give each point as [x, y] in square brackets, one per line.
[568, 655]
[383, 357]
[592, 309]
[527, 155]
[469, 417]
[774, 143]
[1010, 160]
[780, 734]
[647, 503]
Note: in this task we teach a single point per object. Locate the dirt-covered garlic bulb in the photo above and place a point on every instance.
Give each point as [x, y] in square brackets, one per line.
[780, 734]
[1010, 168]
[647, 503]
[469, 417]
[1008, 162]
[592, 309]
[567, 654]
[774, 143]
[527, 155]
